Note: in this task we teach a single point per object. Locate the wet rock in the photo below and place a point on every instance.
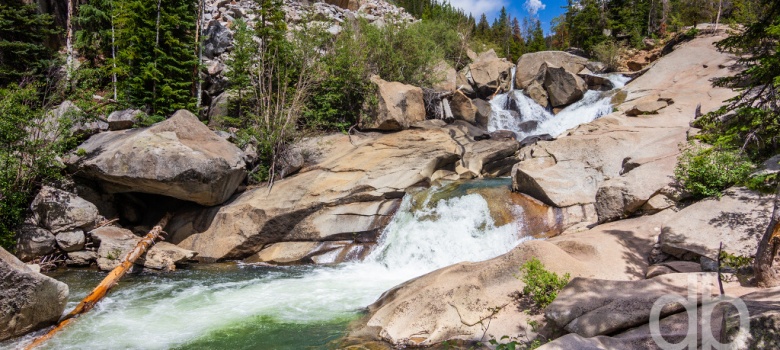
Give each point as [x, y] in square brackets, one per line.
[71, 241]
[58, 211]
[738, 219]
[502, 135]
[30, 300]
[34, 242]
[124, 119]
[483, 112]
[179, 157]
[536, 91]
[399, 106]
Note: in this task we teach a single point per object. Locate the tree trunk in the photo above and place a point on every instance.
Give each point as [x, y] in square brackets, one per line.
[69, 43]
[717, 19]
[113, 50]
[108, 282]
[199, 46]
[767, 264]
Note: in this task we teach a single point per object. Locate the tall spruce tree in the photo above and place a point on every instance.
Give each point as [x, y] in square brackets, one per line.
[156, 47]
[23, 32]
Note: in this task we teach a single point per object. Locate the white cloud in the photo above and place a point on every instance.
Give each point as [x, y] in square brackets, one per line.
[478, 7]
[534, 6]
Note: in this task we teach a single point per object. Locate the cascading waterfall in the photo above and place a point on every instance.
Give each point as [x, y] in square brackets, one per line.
[276, 307]
[516, 112]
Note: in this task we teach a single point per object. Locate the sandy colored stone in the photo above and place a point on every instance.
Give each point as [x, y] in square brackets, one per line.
[179, 157]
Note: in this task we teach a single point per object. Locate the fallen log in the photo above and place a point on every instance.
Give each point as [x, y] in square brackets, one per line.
[108, 282]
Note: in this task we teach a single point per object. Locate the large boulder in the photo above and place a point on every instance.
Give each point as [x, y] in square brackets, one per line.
[563, 87]
[738, 220]
[488, 74]
[347, 190]
[528, 65]
[57, 210]
[30, 300]
[398, 106]
[179, 157]
[116, 242]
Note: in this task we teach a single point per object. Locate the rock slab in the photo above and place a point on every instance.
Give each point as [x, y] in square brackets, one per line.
[179, 157]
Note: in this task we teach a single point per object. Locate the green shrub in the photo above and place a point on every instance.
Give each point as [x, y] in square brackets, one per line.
[705, 172]
[30, 142]
[607, 52]
[541, 286]
[399, 52]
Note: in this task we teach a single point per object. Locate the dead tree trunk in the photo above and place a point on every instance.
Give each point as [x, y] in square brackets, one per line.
[108, 282]
[767, 264]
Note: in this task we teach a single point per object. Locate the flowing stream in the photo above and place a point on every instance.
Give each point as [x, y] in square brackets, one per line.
[236, 306]
[514, 110]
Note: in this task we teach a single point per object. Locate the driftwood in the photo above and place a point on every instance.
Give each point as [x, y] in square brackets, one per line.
[108, 282]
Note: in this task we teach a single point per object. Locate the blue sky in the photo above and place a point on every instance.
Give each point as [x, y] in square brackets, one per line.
[545, 10]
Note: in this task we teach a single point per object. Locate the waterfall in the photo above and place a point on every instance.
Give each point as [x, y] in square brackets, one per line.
[516, 112]
[265, 307]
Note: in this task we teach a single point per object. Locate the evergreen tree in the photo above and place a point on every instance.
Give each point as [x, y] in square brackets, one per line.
[483, 28]
[155, 42]
[23, 32]
[536, 41]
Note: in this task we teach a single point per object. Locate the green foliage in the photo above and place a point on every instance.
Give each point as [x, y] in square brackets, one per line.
[30, 141]
[706, 172]
[156, 54]
[764, 183]
[541, 286]
[751, 120]
[607, 52]
[401, 52]
[736, 262]
[500, 345]
[23, 32]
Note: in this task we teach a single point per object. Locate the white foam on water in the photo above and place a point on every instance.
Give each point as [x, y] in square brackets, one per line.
[178, 311]
[594, 104]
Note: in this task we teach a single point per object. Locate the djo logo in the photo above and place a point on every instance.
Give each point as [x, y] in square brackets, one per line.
[708, 304]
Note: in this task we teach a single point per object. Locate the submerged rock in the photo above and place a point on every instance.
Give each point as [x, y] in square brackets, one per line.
[30, 300]
[179, 157]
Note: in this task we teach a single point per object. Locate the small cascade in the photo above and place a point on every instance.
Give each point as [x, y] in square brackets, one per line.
[266, 307]
[516, 112]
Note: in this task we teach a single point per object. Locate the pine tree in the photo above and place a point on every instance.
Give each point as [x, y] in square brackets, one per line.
[155, 42]
[23, 32]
